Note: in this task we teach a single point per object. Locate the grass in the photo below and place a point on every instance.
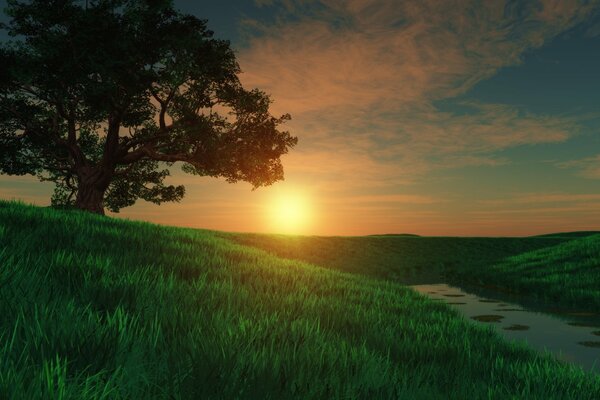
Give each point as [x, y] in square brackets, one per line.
[567, 274]
[399, 258]
[559, 269]
[98, 308]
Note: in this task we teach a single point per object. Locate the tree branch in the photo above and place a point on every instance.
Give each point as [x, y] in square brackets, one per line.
[164, 104]
[152, 154]
[142, 141]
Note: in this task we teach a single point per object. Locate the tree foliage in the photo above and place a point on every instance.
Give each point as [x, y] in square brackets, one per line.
[103, 98]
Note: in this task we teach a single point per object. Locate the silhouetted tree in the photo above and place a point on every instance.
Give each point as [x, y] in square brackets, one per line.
[102, 98]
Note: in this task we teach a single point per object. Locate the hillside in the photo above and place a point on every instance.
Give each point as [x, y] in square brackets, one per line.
[399, 258]
[562, 270]
[94, 308]
[567, 273]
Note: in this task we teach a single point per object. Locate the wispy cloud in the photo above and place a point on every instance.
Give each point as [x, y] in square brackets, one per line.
[388, 199]
[361, 78]
[544, 198]
[588, 167]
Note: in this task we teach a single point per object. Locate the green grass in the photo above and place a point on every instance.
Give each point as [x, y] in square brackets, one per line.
[98, 308]
[396, 257]
[560, 269]
[571, 234]
[567, 274]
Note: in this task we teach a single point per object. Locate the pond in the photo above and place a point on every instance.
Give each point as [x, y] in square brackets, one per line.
[571, 336]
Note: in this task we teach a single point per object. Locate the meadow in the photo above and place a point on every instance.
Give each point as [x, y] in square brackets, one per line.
[560, 270]
[99, 308]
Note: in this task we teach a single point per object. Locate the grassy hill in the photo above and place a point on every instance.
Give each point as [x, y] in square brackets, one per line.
[570, 234]
[95, 308]
[400, 258]
[567, 274]
[561, 270]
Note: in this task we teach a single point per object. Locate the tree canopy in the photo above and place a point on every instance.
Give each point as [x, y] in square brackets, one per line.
[102, 97]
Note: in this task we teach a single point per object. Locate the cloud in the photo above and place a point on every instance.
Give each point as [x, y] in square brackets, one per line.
[389, 53]
[534, 213]
[543, 198]
[395, 150]
[361, 78]
[588, 167]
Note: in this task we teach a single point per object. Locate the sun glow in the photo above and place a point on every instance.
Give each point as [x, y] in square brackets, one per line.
[290, 212]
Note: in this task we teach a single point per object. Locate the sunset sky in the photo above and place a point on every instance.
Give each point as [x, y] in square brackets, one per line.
[462, 118]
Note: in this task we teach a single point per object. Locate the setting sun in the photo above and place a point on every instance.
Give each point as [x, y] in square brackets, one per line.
[289, 213]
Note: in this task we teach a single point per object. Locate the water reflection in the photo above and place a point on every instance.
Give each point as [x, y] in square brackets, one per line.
[572, 336]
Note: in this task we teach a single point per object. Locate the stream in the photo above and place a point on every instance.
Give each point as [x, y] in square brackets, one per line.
[571, 336]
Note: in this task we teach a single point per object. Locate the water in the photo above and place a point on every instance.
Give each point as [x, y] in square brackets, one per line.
[572, 337]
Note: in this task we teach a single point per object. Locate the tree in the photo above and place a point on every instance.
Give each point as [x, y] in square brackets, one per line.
[102, 97]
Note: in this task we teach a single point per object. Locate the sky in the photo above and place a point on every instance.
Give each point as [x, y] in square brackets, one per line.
[443, 118]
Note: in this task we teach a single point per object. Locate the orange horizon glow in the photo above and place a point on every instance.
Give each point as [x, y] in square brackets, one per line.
[215, 205]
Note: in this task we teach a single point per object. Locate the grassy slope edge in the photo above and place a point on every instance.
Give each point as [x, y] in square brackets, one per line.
[95, 308]
[562, 270]
[392, 257]
[567, 274]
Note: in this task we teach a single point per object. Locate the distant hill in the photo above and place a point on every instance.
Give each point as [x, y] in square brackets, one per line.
[567, 273]
[397, 234]
[570, 234]
[546, 235]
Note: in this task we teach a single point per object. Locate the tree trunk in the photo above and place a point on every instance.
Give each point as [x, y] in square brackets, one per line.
[90, 196]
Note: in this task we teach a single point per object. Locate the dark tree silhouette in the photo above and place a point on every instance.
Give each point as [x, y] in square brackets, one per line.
[102, 98]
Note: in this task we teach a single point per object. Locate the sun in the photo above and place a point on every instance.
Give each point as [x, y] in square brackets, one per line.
[289, 212]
